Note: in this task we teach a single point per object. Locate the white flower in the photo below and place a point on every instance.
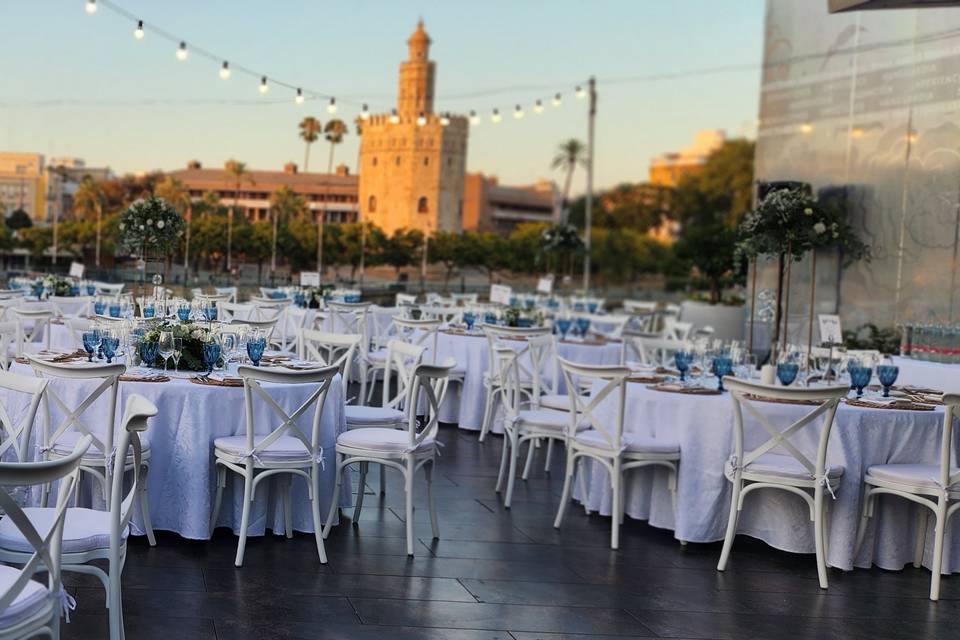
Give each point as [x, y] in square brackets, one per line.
[149, 222]
[808, 211]
[197, 334]
[819, 227]
[142, 227]
[160, 224]
[122, 226]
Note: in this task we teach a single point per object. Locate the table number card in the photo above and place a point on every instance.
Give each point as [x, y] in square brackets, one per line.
[545, 285]
[830, 330]
[500, 293]
[76, 269]
[309, 278]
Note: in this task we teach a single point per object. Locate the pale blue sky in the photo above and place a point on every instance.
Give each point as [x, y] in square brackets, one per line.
[79, 85]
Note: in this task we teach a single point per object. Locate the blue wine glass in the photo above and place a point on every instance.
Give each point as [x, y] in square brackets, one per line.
[300, 300]
[211, 355]
[98, 307]
[110, 348]
[468, 319]
[592, 307]
[583, 325]
[114, 309]
[183, 313]
[149, 352]
[787, 372]
[564, 325]
[74, 291]
[490, 318]
[255, 347]
[859, 378]
[524, 322]
[90, 343]
[38, 290]
[722, 366]
[682, 359]
[887, 373]
[210, 313]
[148, 312]
[553, 303]
[91, 289]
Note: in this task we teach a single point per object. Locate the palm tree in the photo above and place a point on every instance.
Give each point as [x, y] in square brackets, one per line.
[570, 153]
[240, 173]
[173, 191]
[87, 202]
[310, 129]
[333, 132]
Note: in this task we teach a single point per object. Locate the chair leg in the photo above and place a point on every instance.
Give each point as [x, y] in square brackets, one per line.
[363, 385]
[145, 509]
[731, 523]
[503, 461]
[936, 567]
[114, 597]
[546, 466]
[361, 490]
[616, 478]
[408, 501]
[287, 489]
[487, 417]
[514, 454]
[221, 483]
[865, 516]
[567, 482]
[383, 480]
[315, 513]
[428, 471]
[245, 518]
[921, 537]
[531, 448]
[369, 388]
[819, 536]
[335, 498]
[582, 480]
[673, 499]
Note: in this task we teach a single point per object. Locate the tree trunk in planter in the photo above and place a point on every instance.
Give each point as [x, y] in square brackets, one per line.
[777, 311]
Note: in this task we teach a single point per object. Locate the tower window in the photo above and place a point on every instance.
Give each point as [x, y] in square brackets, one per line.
[422, 205]
[374, 160]
[426, 160]
[397, 161]
[372, 204]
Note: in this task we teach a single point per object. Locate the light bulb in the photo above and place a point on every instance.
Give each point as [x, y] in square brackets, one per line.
[182, 51]
[225, 70]
[445, 120]
[421, 119]
[332, 107]
[538, 107]
[518, 112]
[496, 117]
[394, 118]
[299, 98]
[580, 92]
[364, 112]
[806, 127]
[91, 7]
[138, 32]
[264, 87]
[556, 100]
[474, 118]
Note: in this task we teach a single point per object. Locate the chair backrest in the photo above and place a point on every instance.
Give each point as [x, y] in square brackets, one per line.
[444, 314]
[8, 343]
[266, 327]
[108, 289]
[405, 300]
[945, 478]
[495, 334]
[268, 309]
[639, 306]
[544, 366]
[349, 317]
[71, 306]
[382, 328]
[403, 358]
[231, 310]
[32, 325]
[109, 377]
[332, 349]
[9, 303]
[230, 292]
[47, 544]
[253, 377]
[422, 332]
[675, 329]
[466, 298]
[77, 327]
[612, 381]
[295, 319]
[606, 325]
[651, 351]
[429, 382]
[745, 395]
[16, 434]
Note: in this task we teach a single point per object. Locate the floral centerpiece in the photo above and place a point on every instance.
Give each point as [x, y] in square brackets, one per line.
[151, 223]
[55, 285]
[193, 336]
[312, 297]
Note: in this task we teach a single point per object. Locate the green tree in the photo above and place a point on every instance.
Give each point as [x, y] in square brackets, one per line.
[89, 202]
[524, 243]
[36, 240]
[209, 238]
[334, 131]
[570, 153]
[255, 243]
[285, 205]
[709, 249]
[445, 250]
[310, 129]
[18, 219]
[402, 248]
[238, 173]
[173, 191]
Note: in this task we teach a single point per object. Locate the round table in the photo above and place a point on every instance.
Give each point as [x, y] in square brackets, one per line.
[704, 424]
[464, 403]
[923, 373]
[180, 483]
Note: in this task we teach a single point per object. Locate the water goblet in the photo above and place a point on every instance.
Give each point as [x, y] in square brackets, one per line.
[210, 312]
[468, 319]
[787, 372]
[722, 366]
[74, 291]
[490, 318]
[583, 326]
[90, 343]
[255, 347]
[887, 373]
[592, 307]
[211, 354]
[564, 325]
[149, 352]
[110, 345]
[91, 289]
[99, 306]
[114, 309]
[682, 360]
[859, 377]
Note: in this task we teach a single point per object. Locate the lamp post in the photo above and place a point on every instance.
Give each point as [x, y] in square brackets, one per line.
[588, 208]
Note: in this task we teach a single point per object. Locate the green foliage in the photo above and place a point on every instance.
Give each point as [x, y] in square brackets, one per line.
[709, 249]
[36, 239]
[19, 219]
[869, 336]
[151, 224]
[193, 336]
[402, 248]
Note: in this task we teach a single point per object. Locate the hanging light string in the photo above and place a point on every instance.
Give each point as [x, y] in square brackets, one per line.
[184, 49]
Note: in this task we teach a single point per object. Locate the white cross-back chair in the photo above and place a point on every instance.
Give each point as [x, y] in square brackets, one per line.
[32, 326]
[267, 292]
[657, 352]
[405, 300]
[71, 306]
[382, 329]
[211, 297]
[405, 450]
[59, 440]
[7, 304]
[108, 289]
[331, 349]
[778, 463]
[589, 436]
[491, 377]
[286, 451]
[8, 343]
[935, 487]
[230, 292]
[30, 608]
[229, 311]
[77, 327]
[295, 319]
[16, 434]
[421, 332]
[90, 535]
[520, 425]
[267, 328]
[268, 309]
[639, 306]
[674, 329]
[351, 318]
[447, 315]
[607, 325]
[465, 298]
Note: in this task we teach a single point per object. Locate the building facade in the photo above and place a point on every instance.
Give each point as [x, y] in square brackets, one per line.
[413, 161]
[23, 184]
[332, 194]
[490, 206]
[669, 168]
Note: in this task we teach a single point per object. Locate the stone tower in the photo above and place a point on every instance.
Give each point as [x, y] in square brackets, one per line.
[412, 161]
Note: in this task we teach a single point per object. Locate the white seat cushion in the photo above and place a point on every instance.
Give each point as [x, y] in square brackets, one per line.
[634, 443]
[284, 448]
[381, 439]
[546, 418]
[921, 475]
[556, 401]
[377, 357]
[358, 416]
[65, 444]
[785, 466]
[31, 599]
[83, 530]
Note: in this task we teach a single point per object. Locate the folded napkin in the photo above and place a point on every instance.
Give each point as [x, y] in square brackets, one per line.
[755, 398]
[677, 387]
[216, 380]
[301, 365]
[149, 377]
[646, 378]
[889, 403]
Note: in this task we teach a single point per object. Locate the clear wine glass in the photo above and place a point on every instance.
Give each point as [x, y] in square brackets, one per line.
[167, 347]
[177, 352]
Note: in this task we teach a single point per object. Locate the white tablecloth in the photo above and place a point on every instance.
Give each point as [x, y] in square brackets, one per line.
[181, 479]
[704, 425]
[921, 373]
[464, 403]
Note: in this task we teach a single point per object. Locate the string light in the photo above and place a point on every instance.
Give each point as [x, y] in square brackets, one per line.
[332, 107]
[496, 117]
[91, 7]
[474, 118]
[225, 70]
[138, 32]
[264, 87]
[421, 119]
[580, 93]
[394, 118]
[364, 112]
[556, 100]
[182, 51]
[299, 98]
[445, 120]
[806, 127]
[538, 107]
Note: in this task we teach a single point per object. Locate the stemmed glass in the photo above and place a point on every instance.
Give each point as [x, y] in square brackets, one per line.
[583, 326]
[255, 346]
[468, 319]
[722, 366]
[110, 345]
[183, 310]
[787, 372]
[148, 352]
[166, 347]
[114, 309]
[887, 373]
[177, 352]
[859, 377]
[211, 354]
[682, 360]
[91, 340]
[563, 324]
[210, 312]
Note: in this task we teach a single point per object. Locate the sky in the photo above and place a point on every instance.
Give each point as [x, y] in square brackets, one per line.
[82, 86]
